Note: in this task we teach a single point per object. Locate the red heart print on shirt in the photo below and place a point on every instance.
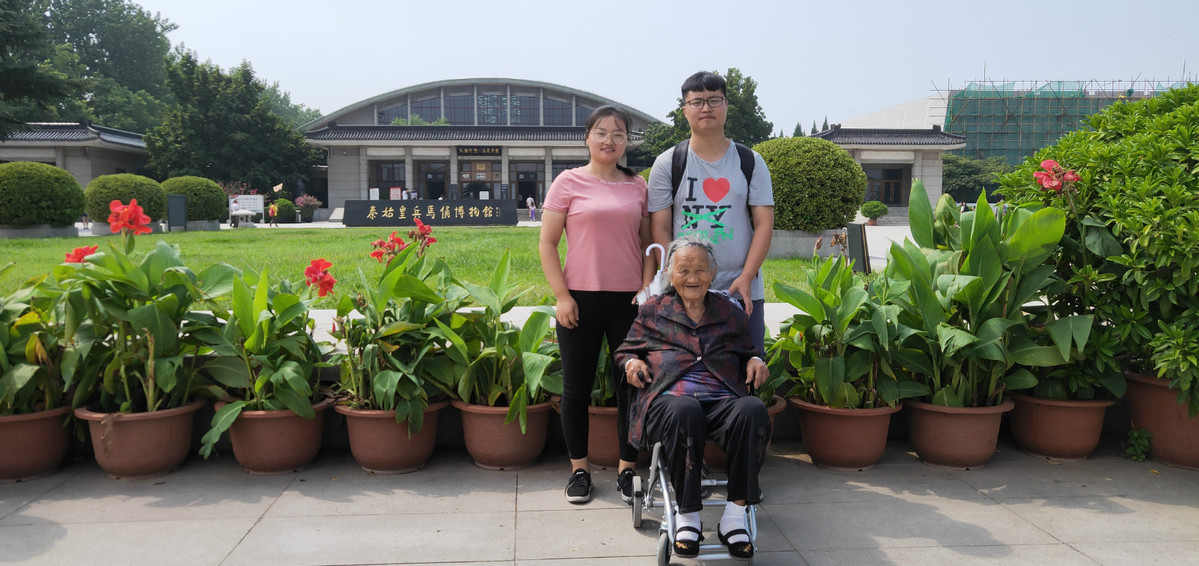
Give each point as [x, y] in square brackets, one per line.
[716, 188]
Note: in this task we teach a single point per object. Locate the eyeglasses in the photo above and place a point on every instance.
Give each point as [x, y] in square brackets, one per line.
[714, 102]
[616, 138]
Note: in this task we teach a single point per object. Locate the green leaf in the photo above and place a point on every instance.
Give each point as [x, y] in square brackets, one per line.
[920, 215]
[1036, 239]
[801, 300]
[1020, 379]
[221, 421]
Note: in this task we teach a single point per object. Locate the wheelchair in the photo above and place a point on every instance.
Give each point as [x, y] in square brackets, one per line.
[645, 497]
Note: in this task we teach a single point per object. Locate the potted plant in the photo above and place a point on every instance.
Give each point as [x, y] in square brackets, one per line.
[873, 210]
[307, 205]
[128, 315]
[970, 340]
[395, 375]
[1061, 416]
[1137, 182]
[33, 361]
[845, 383]
[502, 392]
[263, 360]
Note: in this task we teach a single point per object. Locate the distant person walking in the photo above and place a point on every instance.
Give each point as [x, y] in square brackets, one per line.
[273, 212]
[532, 209]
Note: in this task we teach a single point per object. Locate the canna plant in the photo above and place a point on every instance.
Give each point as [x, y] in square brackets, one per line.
[396, 342]
[840, 341]
[261, 352]
[970, 276]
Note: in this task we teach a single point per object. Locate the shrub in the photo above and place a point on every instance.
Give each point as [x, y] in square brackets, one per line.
[205, 199]
[307, 205]
[287, 211]
[124, 187]
[37, 193]
[1129, 255]
[874, 209]
[817, 185]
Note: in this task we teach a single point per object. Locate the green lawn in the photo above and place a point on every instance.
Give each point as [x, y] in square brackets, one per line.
[471, 252]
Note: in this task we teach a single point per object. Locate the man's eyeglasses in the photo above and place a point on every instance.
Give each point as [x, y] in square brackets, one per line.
[616, 138]
[714, 102]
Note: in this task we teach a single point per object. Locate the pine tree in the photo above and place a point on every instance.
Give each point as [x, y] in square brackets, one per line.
[798, 133]
[814, 130]
[825, 126]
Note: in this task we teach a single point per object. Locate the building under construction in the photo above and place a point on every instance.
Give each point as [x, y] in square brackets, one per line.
[1011, 119]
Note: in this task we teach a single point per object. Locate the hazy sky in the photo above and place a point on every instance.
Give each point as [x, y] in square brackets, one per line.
[810, 59]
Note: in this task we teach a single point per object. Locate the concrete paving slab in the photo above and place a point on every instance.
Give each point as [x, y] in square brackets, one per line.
[136, 543]
[15, 495]
[588, 533]
[377, 539]
[1057, 555]
[904, 522]
[334, 487]
[207, 490]
[1101, 519]
[1181, 553]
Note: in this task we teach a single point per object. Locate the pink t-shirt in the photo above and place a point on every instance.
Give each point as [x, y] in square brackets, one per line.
[603, 245]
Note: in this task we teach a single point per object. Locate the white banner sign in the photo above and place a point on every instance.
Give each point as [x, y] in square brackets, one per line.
[253, 203]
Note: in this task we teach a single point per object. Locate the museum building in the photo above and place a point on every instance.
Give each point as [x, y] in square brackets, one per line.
[481, 138]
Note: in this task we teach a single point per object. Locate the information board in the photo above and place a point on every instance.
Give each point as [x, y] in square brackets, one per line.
[432, 212]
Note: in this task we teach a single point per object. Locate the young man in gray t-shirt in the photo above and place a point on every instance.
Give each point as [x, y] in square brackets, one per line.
[713, 199]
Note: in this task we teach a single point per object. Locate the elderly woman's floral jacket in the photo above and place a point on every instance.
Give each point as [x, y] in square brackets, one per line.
[670, 343]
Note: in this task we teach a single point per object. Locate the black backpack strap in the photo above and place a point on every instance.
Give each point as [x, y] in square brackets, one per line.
[678, 163]
[747, 167]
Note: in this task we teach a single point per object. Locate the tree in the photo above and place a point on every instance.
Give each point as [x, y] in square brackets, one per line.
[825, 126]
[222, 128]
[817, 185]
[26, 83]
[746, 122]
[294, 114]
[798, 133]
[964, 178]
[814, 130]
[117, 53]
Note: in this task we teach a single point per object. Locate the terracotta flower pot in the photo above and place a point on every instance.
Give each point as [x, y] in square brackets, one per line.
[383, 446]
[1153, 406]
[32, 445]
[960, 438]
[603, 446]
[718, 459]
[277, 442]
[498, 446]
[843, 439]
[138, 445]
[1059, 430]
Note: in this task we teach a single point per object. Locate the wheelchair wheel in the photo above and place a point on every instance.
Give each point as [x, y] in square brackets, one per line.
[638, 501]
[663, 549]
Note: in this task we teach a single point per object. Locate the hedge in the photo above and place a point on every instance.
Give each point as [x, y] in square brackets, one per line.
[205, 199]
[32, 194]
[125, 187]
[817, 185]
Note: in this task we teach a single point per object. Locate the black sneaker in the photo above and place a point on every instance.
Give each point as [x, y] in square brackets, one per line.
[624, 484]
[578, 488]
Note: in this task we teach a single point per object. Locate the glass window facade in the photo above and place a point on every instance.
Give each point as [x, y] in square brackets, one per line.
[557, 112]
[458, 109]
[493, 110]
[428, 109]
[581, 114]
[394, 113]
[388, 174]
[526, 110]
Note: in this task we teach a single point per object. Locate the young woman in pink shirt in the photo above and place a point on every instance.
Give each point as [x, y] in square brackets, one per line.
[602, 209]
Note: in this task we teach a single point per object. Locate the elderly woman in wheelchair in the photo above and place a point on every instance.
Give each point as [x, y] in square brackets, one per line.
[690, 356]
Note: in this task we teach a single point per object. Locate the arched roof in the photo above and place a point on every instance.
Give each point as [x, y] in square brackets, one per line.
[493, 81]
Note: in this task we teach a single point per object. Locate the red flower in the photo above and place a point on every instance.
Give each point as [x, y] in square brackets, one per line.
[76, 255]
[1070, 176]
[317, 274]
[424, 230]
[378, 254]
[430, 240]
[1049, 165]
[130, 217]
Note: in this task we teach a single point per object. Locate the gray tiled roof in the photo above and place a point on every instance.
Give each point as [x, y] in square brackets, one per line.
[451, 133]
[882, 136]
[73, 132]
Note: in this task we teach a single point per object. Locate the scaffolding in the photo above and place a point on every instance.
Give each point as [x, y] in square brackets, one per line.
[1014, 119]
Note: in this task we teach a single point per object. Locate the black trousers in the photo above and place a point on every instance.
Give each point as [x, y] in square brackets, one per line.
[683, 425]
[601, 313]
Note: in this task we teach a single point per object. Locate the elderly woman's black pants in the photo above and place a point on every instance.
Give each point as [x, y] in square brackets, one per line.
[739, 425]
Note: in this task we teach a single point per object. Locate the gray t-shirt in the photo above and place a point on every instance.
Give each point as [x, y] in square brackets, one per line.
[712, 202]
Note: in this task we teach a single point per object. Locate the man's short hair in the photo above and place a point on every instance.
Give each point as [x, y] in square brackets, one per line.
[702, 81]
